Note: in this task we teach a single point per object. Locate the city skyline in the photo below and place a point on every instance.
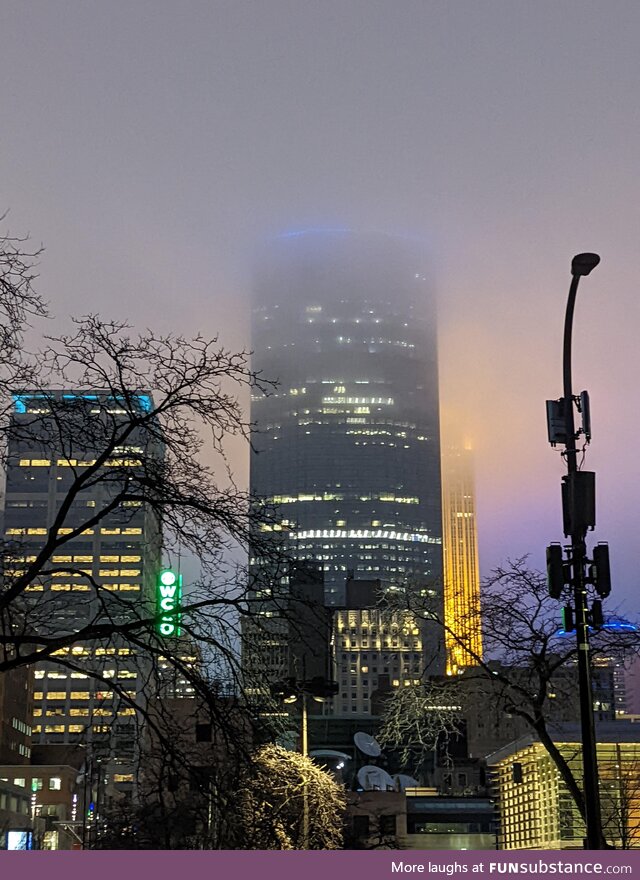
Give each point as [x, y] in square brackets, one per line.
[291, 275]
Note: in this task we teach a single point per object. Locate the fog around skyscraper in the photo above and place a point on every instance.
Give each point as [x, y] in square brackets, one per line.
[347, 449]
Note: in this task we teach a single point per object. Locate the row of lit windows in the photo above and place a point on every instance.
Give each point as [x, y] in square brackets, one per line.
[84, 588]
[381, 421]
[89, 558]
[74, 462]
[348, 621]
[380, 644]
[55, 783]
[371, 401]
[83, 713]
[107, 673]
[71, 728]
[80, 651]
[332, 496]
[40, 673]
[67, 531]
[78, 695]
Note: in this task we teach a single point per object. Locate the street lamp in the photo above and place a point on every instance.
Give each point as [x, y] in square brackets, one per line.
[289, 691]
[578, 511]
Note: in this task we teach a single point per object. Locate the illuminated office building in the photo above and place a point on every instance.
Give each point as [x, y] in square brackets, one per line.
[108, 568]
[374, 645]
[463, 636]
[346, 450]
[535, 808]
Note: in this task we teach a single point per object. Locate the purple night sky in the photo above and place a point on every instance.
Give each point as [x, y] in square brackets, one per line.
[152, 145]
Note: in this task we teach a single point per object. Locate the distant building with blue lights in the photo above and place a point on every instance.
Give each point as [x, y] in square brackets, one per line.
[100, 568]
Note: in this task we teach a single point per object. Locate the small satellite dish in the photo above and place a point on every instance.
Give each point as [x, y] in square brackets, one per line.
[373, 778]
[403, 782]
[367, 744]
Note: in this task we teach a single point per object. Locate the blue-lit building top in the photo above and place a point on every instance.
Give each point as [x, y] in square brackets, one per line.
[103, 563]
[347, 447]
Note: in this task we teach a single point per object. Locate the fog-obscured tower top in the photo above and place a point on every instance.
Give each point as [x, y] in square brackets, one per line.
[348, 446]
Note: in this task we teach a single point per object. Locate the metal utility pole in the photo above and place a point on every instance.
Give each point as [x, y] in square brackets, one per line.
[289, 691]
[578, 508]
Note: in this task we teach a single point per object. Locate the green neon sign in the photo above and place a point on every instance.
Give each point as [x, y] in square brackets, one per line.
[168, 600]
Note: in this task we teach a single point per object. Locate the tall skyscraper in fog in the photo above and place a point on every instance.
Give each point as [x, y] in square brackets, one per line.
[463, 638]
[347, 449]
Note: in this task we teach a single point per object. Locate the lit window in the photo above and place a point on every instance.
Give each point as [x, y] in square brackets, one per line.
[55, 783]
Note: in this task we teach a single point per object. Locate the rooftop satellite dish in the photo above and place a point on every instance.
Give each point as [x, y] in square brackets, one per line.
[329, 753]
[373, 778]
[403, 782]
[367, 744]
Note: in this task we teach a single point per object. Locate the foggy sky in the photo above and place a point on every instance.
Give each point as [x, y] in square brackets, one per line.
[151, 146]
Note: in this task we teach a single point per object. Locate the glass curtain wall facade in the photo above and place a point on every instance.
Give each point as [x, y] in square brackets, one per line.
[346, 450]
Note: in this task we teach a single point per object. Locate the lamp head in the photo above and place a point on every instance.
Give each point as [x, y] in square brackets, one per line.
[583, 264]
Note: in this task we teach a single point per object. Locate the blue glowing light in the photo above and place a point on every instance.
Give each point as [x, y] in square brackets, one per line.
[295, 233]
[21, 400]
[614, 625]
